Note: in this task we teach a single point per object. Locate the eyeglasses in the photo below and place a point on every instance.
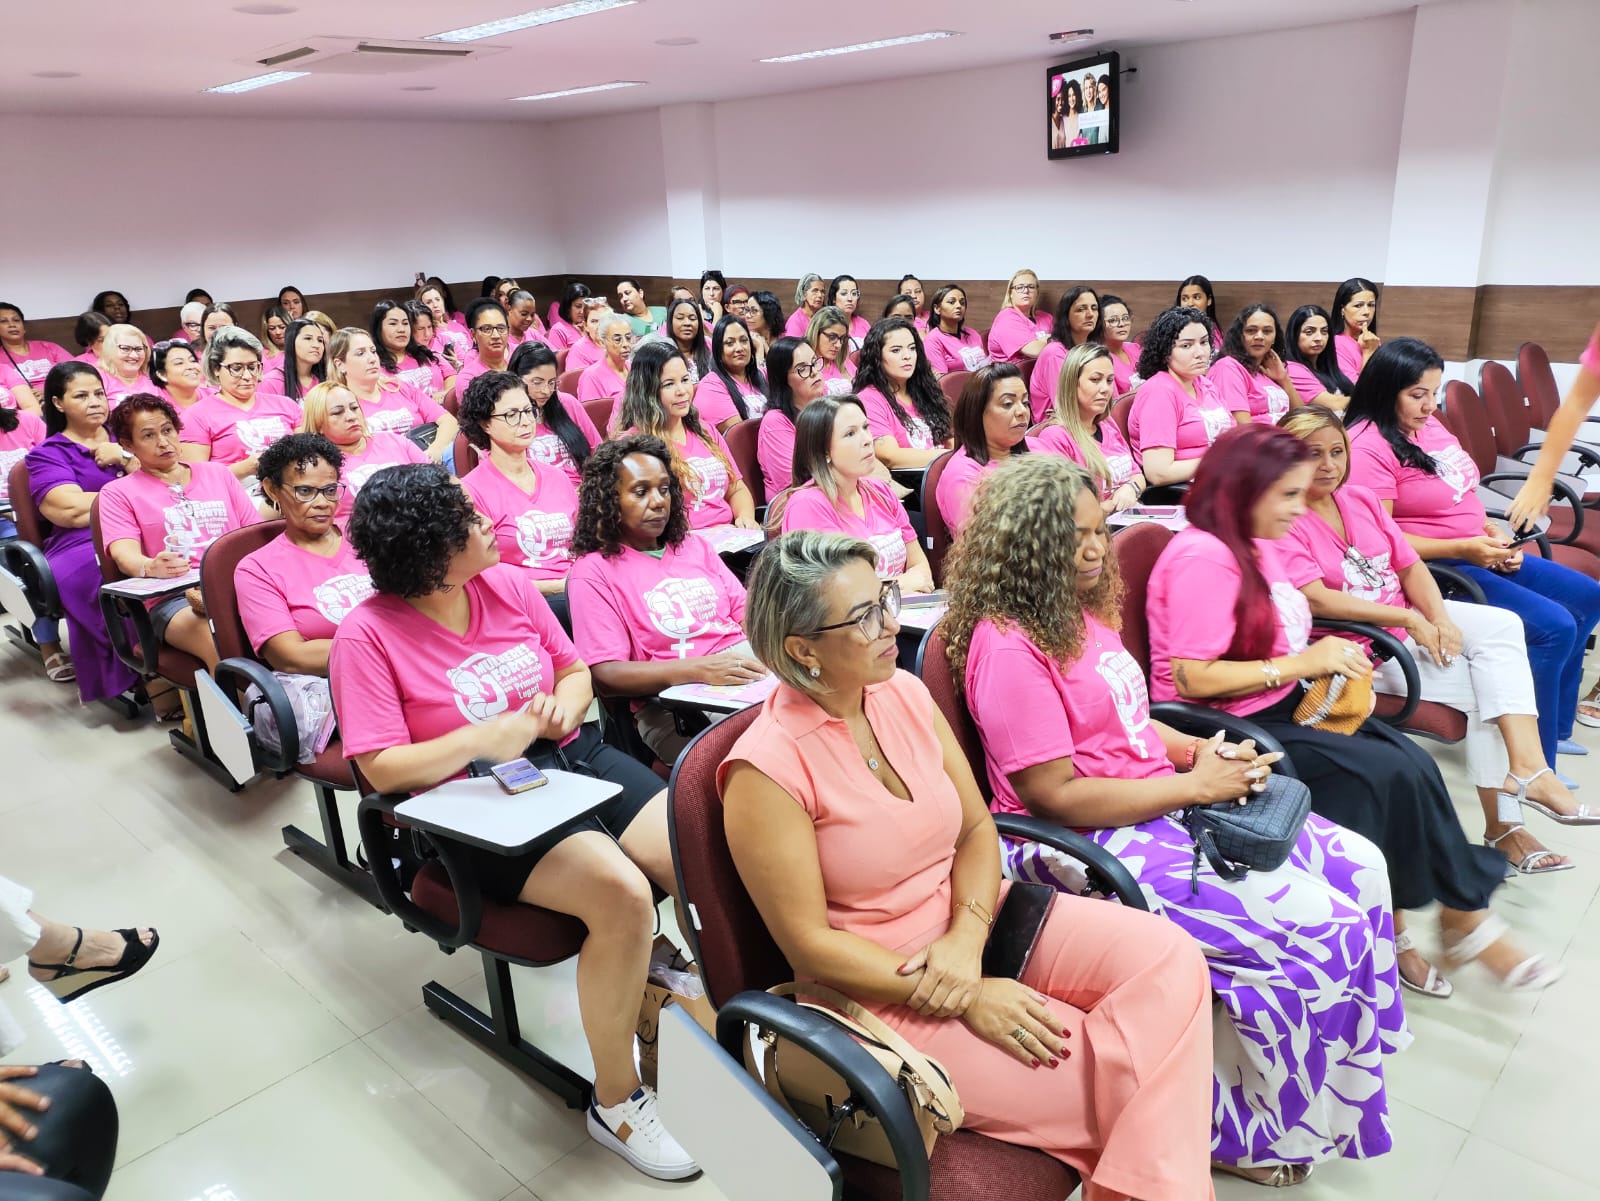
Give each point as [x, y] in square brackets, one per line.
[830, 337]
[539, 385]
[492, 330]
[1119, 320]
[870, 623]
[516, 417]
[809, 370]
[194, 325]
[306, 493]
[1024, 287]
[242, 370]
[1371, 577]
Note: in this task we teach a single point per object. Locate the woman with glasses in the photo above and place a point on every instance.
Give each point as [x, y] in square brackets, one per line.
[794, 375]
[810, 294]
[189, 322]
[856, 825]
[951, 344]
[1118, 320]
[532, 506]
[333, 412]
[563, 435]
[25, 362]
[735, 390]
[490, 329]
[829, 336]
[603, 380]
[124, 352]
[158, 521]
[1021, 329]
[177, 373]
[1353, 564]
[389, 405]
[844, 294]
[238, 421]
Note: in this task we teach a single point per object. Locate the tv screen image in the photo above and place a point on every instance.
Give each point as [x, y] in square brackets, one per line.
[1082, 99]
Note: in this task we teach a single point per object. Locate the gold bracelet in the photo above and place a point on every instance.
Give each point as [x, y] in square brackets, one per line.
[978, 911]
[1274, 674]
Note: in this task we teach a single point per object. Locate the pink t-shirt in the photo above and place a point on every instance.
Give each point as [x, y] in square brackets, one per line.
[584, 353]
[471, 368]
[1365, 563]
[715, 405]
[1124, 366]
[1590, 358]
[947, 353]
[284, 588]
[887, 419]
[561, 335]
[143, 508]
[599, 381]
[1244, 391]
[427, 378]
[707, 500]
[399, 408]
[15, 445]
[960, 480]
[838, 383]
[637, 608]
[235, 434]
[1305, 381]
[401, 678]
[797, 323]
[34, 363]
[451, 335]
[549, 448]
[1046, 375]
[1193, 590]
[1163, 414]
[1029, 711]
[117, 391]
[1348, 352]
[1054, 439]
[883, 521]
[382, 450]
[533, 530]
[1445, 505]
[1012, 331]
[775, 451]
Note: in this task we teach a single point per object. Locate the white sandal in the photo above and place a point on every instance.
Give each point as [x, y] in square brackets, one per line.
[1283, 1175]
[59, 670]
[1585, 816]
[1435, 986]
[1533, 974]
[1528, 865]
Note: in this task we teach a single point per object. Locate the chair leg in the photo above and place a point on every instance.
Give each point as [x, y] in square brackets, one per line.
[198, 748]
[330, 856]
[498, 1032]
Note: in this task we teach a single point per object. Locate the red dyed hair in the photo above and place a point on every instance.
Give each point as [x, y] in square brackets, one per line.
[1232, 478]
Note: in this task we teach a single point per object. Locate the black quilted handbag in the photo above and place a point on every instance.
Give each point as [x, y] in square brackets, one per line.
[1259, 834]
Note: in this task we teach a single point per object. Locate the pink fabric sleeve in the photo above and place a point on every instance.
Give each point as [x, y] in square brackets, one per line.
[366, 694]
[1006, 334]
[939, 357]
[1305, 381]
[196, 429]
[809, 509]
[775, 451]
[1232, 383]
[712, 402]
[599, 626]
[882, 419]
[879, 494]
[241, 511]
[1046, 374]
[1373, 464]
[419, 402]
[1154, 418]
[1295, 552]
[263, 608]
[1401, 553]
[589, 387]
[1202, 627]
[1003, 681]
[721, 444]
[117, 517]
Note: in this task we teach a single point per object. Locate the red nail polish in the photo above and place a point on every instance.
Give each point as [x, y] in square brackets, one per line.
[1055, 1063]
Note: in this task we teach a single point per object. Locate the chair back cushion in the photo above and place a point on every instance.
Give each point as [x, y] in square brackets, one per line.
[933, 669]
[952, 384]
[217, 586]
[599, 413]
[1120, 408]
[1538, 383]
[466, 456]
[741, 440]
[937, 542]
[1508, 411]
[1469, 422]
[30, 523]
[1137, 548]
[568, 382]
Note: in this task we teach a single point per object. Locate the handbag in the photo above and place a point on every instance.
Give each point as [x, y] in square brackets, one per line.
[821, 1099]
[1335, 703]
[1259, 834]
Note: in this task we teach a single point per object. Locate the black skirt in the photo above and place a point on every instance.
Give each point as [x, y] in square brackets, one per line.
[1383, 786]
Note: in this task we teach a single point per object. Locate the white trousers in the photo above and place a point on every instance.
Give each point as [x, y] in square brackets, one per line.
[1489, 679]
[18, 933]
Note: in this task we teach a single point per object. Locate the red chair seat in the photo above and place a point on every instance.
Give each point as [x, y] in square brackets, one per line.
[1430, 719]
[330, 768]
[968, 1165]
[524, 933]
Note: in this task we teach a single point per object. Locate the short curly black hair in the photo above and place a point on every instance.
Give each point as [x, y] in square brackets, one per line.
[409, 521]
[477, 406]
[120, 423]
[1158, 342]
[299, 451]
[600, 508]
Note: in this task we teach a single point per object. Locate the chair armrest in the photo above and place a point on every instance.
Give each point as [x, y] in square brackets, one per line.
[1386, 647]
[375, 838]
[27, 562]
[1559, 487]
[1106, 873]
[880, 1093]
[1453, 579]
[1587, 456]
[1202, 721]
[118, 612]
[235, 676]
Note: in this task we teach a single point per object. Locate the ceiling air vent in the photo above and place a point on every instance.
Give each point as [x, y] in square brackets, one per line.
[358, 56]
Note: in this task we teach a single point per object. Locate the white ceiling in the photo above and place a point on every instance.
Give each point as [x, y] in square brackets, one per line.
[154, 57]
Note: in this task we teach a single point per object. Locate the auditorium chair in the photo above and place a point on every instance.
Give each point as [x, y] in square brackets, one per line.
[741, 439]
[466, 457]
[772, 522]
[936, 537]
[1517, 441]
[951, 385]
[27, 585]
[567, 382]
[599, 412]
[1538, 385]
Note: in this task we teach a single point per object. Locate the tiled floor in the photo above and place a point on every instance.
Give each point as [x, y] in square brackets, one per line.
[277, 1047]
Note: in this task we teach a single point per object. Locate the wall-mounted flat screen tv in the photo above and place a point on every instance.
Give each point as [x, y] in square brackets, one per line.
[1083, 100]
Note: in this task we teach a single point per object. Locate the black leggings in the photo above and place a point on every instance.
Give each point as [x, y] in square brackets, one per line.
[77, 1141]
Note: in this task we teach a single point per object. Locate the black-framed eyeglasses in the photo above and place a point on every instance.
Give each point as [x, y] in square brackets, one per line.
[516, 417]
[306, 493]
[871, 622]
[242, 370]
[808, 370]
[490, 331]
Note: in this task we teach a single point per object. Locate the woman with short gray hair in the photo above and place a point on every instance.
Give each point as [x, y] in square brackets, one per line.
[238, 421]
[810, 294]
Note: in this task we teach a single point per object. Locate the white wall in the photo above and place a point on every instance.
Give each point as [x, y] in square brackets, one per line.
[611, 192]
[153, 207]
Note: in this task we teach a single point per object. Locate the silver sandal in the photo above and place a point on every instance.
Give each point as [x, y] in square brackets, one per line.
[1435, 986]
[1283, 1175]
[1528, 865]
[1585, 816]
[1533, 974]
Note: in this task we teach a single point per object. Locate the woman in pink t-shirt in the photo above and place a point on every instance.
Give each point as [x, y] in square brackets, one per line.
[990, 425]
[1355, 323]
[274, 324]
[158, 521]
[653, 605]
[834, 466]
[1077, 322]
[532, 506]
[590, 349]
[486, 321]
[1020, 330]
[1354, 564]
[911, 288]
[402, 357]
[1249, 373]
[1068, 737]
[124, 355]
[305, 363]
[442, 370]
[1118, 320]
[734, 390]
[456, 662]
[1082, 429]
[660, 401]
[603, 380]
[794, 380]
[1176, 413]
[390, 406]
[238, 421]
[1228, 628]
[563, 435]
[844, 294]
[29, 361]
[333, 411]
[908, 410]
[1404, 455]
[855, 823]
[1196, 292]
[1311, 362]
[450, 340]
[810, 294]
[684, 330]
[829, 336]
[177, 374]
[950, 344]
[566, 319]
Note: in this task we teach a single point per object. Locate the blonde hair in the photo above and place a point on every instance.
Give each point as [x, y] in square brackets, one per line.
[108, 343]
[786, 598]
[1311, 419]
[1012, 282]
[828, 315]
[339, 350]
[326, 322]
[1070, 417]
[314, 408]
[1015, 562]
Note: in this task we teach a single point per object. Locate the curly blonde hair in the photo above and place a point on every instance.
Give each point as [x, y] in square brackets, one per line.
[1014, 562]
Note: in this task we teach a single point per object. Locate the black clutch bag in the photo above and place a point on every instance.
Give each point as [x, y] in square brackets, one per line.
[1259, 834]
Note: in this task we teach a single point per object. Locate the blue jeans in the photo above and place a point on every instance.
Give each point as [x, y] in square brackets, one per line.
[43, 630]
[1559, 608]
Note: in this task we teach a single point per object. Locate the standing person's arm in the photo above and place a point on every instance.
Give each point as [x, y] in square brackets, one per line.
[1533, 498]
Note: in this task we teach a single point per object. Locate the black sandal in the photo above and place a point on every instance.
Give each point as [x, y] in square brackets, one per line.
[71, 982]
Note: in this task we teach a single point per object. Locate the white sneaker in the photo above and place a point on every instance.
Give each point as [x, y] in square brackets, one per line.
[634, 1131]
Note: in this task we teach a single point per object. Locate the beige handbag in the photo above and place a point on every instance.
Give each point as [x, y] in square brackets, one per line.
[812, 1091]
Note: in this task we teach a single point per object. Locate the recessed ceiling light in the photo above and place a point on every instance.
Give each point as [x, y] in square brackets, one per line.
[594, 87]
[257, 81]
[539, 16]
[265, 10]
[56, 74]
[677, 41]
[418, 87]
[1072, 35]
[933, 36]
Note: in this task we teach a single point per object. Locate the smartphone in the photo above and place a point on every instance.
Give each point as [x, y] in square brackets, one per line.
[1524, 539]
[1016, 929]
[518, 775]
